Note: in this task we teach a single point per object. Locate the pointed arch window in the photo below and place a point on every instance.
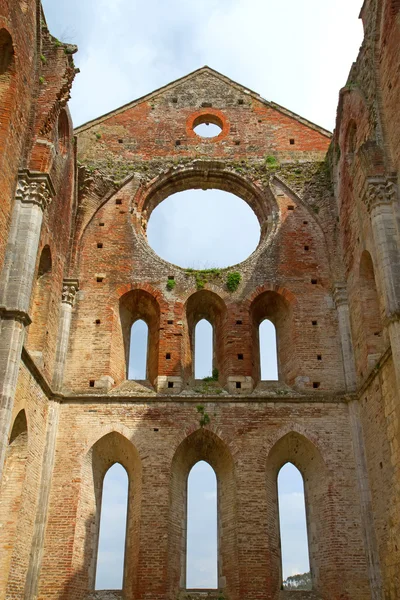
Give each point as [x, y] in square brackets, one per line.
[268, 351]
[371, 314]
[12, 491]
[203, 354]
[6, 52]
[113, 523]
[41, 304]
[293, 529]
[202, 545]
[138, 350]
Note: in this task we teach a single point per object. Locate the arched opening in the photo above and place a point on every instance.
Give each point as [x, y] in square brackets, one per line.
[7, 87]
[327, 540]
[201, 229]
[112, 535]
[63, 132]
[351, 139]
[370, 307]
[111, 473]
[203, 445]
[138, 349]
[202, 542]
[139, 312]
[11, 493]
[6, 53]
[208, 306]
[203, 355]
[273, 331]
[268, 351]
[38, 330]
[293, 529]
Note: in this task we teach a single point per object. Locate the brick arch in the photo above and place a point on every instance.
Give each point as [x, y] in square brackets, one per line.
[101, 432]
[351, 141]
[205, 175]
[204, 444]
[277, 305]
[321, 522]
[205, 304]
[372, 325]
[42, 292]
[111, 448]
[145, 287]
[63, 131]
[271, 287]
[353, 106]
[8, 71]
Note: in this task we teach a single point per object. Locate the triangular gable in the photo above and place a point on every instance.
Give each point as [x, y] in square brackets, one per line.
[193, 75]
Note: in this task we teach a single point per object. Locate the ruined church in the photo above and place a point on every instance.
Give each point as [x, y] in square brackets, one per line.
[77, 272]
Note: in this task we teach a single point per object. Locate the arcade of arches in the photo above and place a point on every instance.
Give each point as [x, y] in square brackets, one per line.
[113, 359]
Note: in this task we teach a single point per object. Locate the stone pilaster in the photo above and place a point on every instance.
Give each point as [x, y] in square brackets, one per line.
[342, 307]
[380, 196]
[70, 288]
[33, 195]
[35, 562]
[366, 511]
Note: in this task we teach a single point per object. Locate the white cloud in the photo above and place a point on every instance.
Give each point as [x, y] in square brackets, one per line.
[287, 51]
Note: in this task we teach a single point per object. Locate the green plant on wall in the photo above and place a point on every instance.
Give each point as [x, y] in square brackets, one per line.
[204, 417]
[171, 283]
[203, 276]
[271, 161]
[214, 376]
[233, 281]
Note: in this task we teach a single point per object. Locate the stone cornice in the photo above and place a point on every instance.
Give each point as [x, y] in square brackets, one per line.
[34, 188]
[13, 314]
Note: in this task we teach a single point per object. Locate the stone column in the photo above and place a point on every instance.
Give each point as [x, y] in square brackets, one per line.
[33, 195]
[70, 288]
[342, 307]
[381, 194]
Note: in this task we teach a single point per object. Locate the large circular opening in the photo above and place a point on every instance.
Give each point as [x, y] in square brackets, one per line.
[203, 229]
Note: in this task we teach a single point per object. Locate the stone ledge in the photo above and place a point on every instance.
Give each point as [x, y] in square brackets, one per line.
[201, 595]
[298, 595]
[105, 595]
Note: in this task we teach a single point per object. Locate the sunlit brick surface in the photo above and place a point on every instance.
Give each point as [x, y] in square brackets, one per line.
[76, 262]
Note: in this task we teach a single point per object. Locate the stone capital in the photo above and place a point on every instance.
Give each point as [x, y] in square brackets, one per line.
[35, 188]
[70, 287]
[380, 190]
[339, 293]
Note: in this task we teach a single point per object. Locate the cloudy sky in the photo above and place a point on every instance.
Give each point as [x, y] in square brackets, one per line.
[294, 52]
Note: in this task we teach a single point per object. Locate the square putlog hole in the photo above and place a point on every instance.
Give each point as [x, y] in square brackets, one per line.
[170, 384]
[240, 356]
[238, 385]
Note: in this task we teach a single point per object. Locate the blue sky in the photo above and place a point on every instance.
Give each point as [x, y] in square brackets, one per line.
[294, 52]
